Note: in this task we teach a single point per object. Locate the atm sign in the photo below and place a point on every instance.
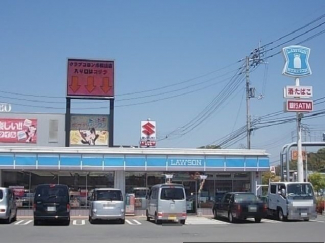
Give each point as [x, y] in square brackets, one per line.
[299, 105]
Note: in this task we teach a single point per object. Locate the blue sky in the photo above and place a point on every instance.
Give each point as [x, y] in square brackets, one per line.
[174, 57]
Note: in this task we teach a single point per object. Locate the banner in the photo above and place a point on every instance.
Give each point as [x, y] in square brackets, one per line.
[14, 130]
[89, 130]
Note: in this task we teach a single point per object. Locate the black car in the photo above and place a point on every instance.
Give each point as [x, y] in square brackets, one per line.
[51, 203]
[240, 205]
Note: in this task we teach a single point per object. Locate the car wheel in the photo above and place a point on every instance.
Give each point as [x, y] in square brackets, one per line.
[182, 221]
[91, 220]
[157, 221]
[8, 220]
[148, 218]
[66, 222]
[258, 220]
[215, 214]
[306, 219]
[231, 218]
[15, 217]
[122, 221]
[281, 217]
[36, 222]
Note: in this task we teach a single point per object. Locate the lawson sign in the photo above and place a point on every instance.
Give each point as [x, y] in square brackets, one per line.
[296, 64]
[186, 162]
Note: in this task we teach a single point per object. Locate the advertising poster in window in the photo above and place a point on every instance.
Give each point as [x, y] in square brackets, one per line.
[91, 130]
[16, 130]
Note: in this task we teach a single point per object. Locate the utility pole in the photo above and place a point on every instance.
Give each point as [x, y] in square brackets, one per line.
[256, 59]
[248, 118]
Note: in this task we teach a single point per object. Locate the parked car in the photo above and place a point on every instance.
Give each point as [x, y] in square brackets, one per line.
[107, 204]
[240, 205]
[51, 203]
[166, 202]
[8, 208]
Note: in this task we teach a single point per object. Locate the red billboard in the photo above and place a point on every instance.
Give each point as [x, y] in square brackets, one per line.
[90, 78]
[299, 105]
[15, 130]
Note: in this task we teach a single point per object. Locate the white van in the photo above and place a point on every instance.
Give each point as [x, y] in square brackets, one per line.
[166, 202]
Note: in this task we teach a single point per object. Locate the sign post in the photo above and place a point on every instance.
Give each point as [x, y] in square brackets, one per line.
[297, 66]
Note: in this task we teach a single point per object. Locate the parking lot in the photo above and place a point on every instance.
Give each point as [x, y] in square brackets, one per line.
[142, 222]
[138, 230]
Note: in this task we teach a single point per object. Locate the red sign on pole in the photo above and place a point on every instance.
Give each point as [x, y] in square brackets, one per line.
[90, 78]
[299, 105]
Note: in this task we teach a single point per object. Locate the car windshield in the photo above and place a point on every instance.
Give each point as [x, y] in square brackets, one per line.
[219, 196]
[1, 194]
[108, 195]
[140, 193]
[172, 193]
[300, 191]
[245, 197]
[55, 192]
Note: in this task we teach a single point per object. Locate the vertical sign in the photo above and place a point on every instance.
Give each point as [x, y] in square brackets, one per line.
[90, 78]
[148, 134]
[297, 66]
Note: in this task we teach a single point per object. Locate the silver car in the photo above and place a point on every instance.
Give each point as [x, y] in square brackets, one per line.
[166, 202]
[8, 208]
[107, 204]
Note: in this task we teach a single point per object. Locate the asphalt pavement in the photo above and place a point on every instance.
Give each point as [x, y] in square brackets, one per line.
[138, 230]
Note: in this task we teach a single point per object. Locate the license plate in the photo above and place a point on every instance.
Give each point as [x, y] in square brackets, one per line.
[303, 214]
[172, 217]
[51, 209]
[252, 208]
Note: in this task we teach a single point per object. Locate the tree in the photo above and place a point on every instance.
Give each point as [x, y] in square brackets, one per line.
[318, 181]
[268, 176]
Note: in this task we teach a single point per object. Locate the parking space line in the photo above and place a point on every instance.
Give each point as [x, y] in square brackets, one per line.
[136, 221]
[29, 221]
[19, 222]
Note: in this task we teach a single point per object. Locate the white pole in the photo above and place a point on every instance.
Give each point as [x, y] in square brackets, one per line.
[300, 165]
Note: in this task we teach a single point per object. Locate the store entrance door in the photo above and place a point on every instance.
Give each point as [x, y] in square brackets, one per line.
[191, 194]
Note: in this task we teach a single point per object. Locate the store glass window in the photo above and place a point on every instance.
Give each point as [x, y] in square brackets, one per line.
[134, 180]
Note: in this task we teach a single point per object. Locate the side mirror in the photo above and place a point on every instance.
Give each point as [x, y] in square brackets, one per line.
[283, 192]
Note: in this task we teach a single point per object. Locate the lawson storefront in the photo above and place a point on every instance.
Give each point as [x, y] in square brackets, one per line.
[85, 168]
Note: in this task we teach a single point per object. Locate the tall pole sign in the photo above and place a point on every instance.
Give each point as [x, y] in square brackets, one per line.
[297, 66]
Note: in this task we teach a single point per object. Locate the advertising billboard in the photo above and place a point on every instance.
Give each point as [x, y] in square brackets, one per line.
[90, 78]
[89, 130]
[18, 130]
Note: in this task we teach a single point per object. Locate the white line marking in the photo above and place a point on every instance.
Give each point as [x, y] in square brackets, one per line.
[129, 222]
[136, 221]
[83, 222]
[19, 222]
[29, 221]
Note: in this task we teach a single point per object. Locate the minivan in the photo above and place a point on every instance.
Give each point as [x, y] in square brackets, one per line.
[166, 202]
[8, 208]
[106, 204]
[51, 203]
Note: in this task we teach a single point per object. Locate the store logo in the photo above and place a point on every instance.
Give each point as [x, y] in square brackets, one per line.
[148, 129]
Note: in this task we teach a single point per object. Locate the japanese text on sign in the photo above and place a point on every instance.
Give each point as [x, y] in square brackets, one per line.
[18, 130]
[92, 78]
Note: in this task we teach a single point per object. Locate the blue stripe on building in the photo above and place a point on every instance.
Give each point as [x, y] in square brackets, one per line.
[48, 160]
[25, 160]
